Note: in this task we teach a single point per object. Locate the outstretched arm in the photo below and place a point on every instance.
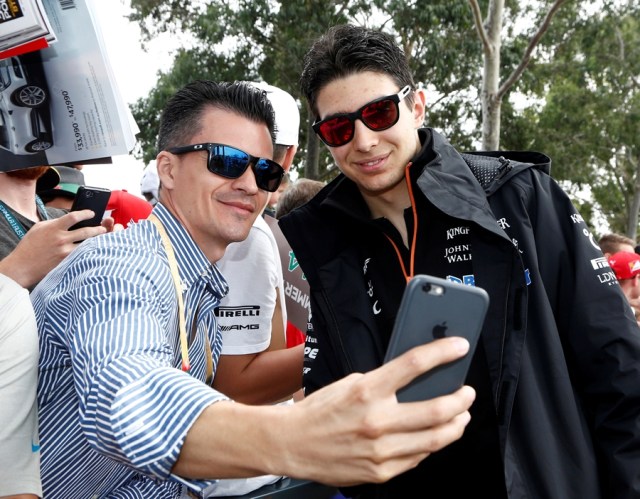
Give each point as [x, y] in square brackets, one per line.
[352, 431]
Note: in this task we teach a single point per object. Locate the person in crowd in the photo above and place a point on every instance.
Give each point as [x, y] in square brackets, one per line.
[296, 194]
[20, 449]
[255, 366]
[123, 207]
[556, 369]
[33, 240]
[272, 204]
[149, 184]
[27, 226]
[613, 242]
[626, 266]
[60, 195]
[129, 341]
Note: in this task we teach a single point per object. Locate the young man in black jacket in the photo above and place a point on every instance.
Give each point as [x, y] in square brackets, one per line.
[557, 368]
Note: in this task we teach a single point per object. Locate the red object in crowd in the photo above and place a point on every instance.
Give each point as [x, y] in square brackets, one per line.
[125, 207]
[294, 335]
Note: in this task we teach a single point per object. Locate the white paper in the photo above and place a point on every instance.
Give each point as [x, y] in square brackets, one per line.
[87, 117]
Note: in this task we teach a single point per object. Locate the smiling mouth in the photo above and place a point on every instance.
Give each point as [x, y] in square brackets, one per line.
[372, 163]
[235, 205]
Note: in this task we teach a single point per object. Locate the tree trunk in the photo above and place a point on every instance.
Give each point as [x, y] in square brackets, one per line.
[311, 169]
[491, 105]
[634, 208]
[491, 100]
[490, 33]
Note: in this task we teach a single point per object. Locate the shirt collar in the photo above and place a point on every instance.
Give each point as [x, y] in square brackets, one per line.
[192, 263]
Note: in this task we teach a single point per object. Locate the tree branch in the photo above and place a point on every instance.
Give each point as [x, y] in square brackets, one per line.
[477, 20]
[533, 43]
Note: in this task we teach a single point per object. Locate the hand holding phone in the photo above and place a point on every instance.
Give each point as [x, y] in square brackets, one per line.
[90, 198]
[433, 308]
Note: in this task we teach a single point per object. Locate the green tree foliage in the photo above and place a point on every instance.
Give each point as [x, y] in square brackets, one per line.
[590, 115]
[267, 40]
[243, 40]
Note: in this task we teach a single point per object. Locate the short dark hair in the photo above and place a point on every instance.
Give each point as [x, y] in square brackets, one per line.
[611, 242]
[182, 116]
[346, 49]
[279, 152]
[297, 194]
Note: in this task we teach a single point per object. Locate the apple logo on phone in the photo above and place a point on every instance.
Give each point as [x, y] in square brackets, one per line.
[440, 330]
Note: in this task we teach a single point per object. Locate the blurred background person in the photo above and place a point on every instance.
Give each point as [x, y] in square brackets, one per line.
[60, 195]
[123, 207]
[34, 238]
[20, 449]
[626, 266]
[297, 194]
[296, 285]
[149, 184]
[612, 243]
[275, 196]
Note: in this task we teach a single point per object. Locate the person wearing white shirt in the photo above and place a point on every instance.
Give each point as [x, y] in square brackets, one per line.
[257, 366]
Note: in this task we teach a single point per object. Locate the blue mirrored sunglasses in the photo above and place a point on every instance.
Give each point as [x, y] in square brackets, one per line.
[231, 162]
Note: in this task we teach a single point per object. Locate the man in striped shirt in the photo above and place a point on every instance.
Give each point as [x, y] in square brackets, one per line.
[125, 408]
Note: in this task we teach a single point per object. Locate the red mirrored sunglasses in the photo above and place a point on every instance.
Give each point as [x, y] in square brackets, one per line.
[377, 115]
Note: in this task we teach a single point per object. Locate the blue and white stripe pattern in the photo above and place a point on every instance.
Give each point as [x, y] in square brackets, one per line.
[114, 405]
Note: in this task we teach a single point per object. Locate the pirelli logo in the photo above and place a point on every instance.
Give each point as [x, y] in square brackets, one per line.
[244, 311]
[600, 263]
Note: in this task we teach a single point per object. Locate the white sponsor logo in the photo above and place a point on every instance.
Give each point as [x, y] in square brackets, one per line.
[459, 253]
[366, 263]
[576, 218]
[457, 231]
[515, 243]
[599, 263]
[608, 278]
[311, 353]
[591, 240]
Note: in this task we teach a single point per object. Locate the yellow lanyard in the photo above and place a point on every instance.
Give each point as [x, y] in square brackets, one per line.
[173, 265]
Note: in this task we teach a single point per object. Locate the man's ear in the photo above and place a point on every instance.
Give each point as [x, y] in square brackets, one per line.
[166, 164]
[419, 107]
[288, 158]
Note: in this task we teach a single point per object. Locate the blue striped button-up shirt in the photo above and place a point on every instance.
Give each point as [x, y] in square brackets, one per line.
[114, 405]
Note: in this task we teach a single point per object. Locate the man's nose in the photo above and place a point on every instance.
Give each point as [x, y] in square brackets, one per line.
[364, 138]
[247, 181]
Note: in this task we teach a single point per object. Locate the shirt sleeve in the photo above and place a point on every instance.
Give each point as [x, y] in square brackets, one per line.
[19, 456]
[135, 406]
[600, 336]
[245, 314]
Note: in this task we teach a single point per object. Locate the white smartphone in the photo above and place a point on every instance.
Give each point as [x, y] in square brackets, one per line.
[433, 308]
